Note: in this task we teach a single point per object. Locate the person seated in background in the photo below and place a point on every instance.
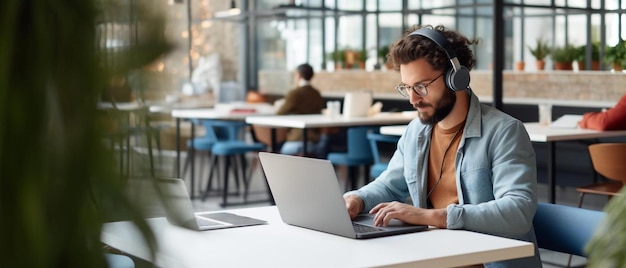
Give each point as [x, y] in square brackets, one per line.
[463, 164]
[611, 119]
[304, 99]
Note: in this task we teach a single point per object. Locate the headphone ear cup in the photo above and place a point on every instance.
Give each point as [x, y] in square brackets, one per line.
[449, 78]
[458, 80]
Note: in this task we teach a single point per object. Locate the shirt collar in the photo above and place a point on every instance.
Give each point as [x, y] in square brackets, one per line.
[303, 82]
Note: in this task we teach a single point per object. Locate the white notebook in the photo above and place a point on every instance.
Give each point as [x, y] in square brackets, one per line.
[567, 121]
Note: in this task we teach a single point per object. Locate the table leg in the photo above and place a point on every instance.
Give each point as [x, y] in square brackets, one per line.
[551, 173]
[178, 147]
[273, 141]
[304, 142]
[192, 161]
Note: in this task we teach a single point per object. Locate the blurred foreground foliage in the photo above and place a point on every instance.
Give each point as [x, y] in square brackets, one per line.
[607, 248]
[58, 183]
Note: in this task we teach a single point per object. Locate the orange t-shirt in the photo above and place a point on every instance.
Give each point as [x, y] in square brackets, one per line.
[441, 175]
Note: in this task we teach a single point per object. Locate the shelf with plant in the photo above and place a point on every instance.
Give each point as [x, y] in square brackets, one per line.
[383, 51]
[540, 51]
[362, 58]
[564, 56]
[616, 55]
[338, 57]
[595, 56]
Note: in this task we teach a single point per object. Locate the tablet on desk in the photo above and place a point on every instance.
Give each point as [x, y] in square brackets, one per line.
[567, 121]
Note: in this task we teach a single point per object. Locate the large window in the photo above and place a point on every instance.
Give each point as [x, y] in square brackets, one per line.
[312, 30]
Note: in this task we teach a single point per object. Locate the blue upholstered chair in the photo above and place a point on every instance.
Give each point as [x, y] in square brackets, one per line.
[232, 152]
[375, 138]
[119, 261]
[215, 131]
[565, 229]
[359, 154]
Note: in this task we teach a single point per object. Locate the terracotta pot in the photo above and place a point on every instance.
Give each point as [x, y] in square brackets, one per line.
[595, 65]
[617, 67]
[520, 65]
[541, 65]
[563, 66]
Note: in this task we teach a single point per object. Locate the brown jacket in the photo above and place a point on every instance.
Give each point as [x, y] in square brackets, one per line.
[302, 100]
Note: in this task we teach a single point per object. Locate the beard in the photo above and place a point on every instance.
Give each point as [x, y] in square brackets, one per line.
[444, 107]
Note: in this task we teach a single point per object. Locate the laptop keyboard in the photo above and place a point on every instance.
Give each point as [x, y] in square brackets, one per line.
[360, 228]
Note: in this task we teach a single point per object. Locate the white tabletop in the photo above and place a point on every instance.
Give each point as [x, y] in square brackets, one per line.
[280, 245]
[319, 120]
[393, 130]
[539, 133]
[121, 106]
[234, 111]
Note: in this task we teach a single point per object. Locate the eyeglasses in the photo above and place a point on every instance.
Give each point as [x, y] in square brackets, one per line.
[419, 89]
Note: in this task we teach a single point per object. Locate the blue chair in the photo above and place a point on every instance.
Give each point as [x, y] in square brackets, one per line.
[215, 131]
[119, 261]
[565, 229]
[359, 154]
[232, 152]
[379, 166]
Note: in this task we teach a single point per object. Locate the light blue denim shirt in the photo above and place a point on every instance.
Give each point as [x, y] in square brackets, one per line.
[496, 177]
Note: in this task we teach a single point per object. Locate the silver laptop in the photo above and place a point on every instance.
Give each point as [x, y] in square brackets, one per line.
[307, 194]
[179, 210]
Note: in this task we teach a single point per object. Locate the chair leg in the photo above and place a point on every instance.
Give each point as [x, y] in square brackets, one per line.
[580, 200]
[366, 175]
[253, 166]
[213, 168]
[215, 161]
[236, 170]
[352, 176]
[187, 160]
[245, 179]
[569, 261]
[225, 189]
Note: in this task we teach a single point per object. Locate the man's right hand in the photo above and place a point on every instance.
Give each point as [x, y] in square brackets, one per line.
[354, 204]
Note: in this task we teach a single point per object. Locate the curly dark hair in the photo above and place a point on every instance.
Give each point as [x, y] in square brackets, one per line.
[413, 47]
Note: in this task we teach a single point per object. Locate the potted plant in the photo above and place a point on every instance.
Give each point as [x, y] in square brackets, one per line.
[338, 57]
[362, 58]
[616, 55]
[564, 56]
[382, 55]
[540, 52]
[595, 56]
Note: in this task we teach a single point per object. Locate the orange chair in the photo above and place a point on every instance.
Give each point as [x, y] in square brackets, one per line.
[608, 160]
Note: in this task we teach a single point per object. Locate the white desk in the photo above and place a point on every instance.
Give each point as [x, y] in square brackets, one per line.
[393, 130]
[233, 111]
[280, 245]
[550, 135]
[546, 134]
[319, 121]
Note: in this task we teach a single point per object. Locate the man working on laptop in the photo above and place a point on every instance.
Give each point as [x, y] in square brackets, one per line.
[463, 164]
